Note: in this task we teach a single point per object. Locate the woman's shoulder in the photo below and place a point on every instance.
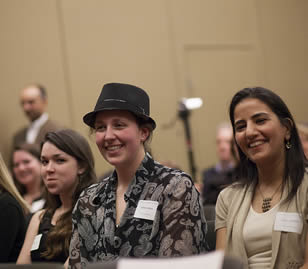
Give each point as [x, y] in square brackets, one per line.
[304, 184]
[7, 200]
[232, 191]
[166, 171]
[38, 215]
[157, 172]
[36, 219]
[5, 196]
[306, 175]
[89, 193]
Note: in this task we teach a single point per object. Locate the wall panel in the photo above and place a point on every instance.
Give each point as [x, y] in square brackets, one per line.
[30, 52]
[172, 48]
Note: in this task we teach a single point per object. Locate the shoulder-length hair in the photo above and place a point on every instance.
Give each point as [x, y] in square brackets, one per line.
[35, 151]
[295, 161]
[7, 184]
[75, 145]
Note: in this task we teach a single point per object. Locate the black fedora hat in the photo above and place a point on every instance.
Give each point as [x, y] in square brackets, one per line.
[120, 96]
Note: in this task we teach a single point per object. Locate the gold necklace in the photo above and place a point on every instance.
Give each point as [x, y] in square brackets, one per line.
[266, 204]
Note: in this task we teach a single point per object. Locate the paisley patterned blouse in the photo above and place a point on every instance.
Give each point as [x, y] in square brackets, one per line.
[178, 228]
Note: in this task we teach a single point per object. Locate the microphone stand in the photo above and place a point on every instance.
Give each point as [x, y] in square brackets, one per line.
[184, 114]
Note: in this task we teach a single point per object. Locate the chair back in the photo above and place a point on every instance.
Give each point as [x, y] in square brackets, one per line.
[209, 212]
[232, 263]
[210, 237]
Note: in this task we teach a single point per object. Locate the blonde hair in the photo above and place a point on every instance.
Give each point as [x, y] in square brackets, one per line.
[7, 184]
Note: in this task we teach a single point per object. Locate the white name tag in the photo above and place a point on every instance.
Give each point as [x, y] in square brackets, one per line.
[146, 209]
[36, 242]
[288, 222]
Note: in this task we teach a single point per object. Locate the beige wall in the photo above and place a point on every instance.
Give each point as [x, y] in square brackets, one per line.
[171, 48]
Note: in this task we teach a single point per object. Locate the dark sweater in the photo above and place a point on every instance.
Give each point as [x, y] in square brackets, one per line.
[12, 228]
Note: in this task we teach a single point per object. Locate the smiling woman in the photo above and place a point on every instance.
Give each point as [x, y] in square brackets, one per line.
[143, 208]
[254, 215]
[259, 132]
[67, 168]
[27, 174]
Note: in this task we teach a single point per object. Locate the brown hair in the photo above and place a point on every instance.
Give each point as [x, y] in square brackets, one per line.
[35, 151]
[72, 143]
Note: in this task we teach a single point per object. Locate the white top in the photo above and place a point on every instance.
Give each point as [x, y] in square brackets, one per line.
[35, 127]
[37, 205]
[257, 234]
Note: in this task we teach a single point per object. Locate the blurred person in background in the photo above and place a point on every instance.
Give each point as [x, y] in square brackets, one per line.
[27, 174]
[34, 101]
[215, 178]
[13, 209]
[303, 134]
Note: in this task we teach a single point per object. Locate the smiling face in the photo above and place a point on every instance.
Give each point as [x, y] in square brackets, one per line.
[119, 138]
[259, 133]
[59, 170]
[26, 168]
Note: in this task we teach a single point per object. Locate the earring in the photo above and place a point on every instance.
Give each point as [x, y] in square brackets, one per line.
[288, 145]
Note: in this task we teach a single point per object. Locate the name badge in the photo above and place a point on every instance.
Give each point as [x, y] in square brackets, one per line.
[36, 242]
[146, 209]
[288, 222]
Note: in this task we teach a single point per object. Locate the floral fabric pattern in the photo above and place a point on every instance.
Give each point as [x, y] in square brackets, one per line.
[178, 228]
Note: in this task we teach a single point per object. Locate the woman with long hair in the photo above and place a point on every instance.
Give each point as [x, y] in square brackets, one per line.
[13, 209]
[27, 174]
[262, 218]
[143, 208]
[67, 168]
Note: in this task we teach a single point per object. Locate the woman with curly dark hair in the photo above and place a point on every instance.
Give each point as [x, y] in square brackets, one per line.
[67, 168]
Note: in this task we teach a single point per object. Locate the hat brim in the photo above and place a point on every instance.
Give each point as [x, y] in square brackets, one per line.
[89, 118]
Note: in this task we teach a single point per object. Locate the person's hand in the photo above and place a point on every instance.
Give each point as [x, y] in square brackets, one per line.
[305, 266]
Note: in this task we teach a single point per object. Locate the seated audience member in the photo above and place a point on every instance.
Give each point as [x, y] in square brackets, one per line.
[262, 217]
[303, 134]
[67, 168]
[12, 217]
[217, 177]
[143, 208]
[27, 174]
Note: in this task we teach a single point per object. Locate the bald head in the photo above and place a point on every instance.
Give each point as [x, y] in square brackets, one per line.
[33, 101]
